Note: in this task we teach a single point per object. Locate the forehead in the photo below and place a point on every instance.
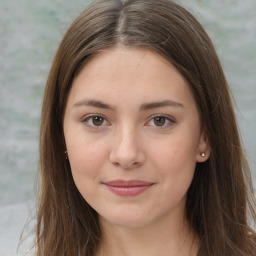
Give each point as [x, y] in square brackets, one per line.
[135, 72]
[124, 56]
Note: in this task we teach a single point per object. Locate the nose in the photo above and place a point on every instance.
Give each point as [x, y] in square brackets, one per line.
[127, 151]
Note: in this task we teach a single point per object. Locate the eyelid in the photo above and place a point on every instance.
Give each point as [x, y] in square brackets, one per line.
[170, 119]
[86, 118]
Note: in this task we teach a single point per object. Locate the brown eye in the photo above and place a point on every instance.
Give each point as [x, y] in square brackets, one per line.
[159, 120]
[94, 121]
[97, 120]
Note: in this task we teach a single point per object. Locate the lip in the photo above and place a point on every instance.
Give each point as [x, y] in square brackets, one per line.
[128, 187]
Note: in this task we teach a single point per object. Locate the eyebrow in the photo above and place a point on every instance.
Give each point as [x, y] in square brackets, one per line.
[143, 107]
[94, 103]
[165, 103]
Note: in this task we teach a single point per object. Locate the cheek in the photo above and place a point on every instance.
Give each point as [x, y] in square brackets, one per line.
[175, 152]
[175, 162]
[86, 159]
[86, 166]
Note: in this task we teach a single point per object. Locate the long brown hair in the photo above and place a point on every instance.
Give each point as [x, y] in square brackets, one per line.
[220, 200]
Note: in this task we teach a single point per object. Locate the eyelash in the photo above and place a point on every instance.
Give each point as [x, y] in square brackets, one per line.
[88, 120]
[168, 121]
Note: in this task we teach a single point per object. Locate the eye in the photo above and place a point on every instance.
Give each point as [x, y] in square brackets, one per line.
[95, 121]
[160, 121]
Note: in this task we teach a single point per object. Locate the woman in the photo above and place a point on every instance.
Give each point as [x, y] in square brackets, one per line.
[153, 165]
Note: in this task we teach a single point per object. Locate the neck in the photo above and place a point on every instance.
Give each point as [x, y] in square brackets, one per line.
[177, 239]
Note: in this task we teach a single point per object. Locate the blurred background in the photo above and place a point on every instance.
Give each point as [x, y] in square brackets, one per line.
[30, 32]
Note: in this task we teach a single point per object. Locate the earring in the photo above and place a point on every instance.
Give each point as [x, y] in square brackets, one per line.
[203, 154]
[66, 155]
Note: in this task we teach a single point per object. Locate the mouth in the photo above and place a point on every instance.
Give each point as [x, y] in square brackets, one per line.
[128, 188]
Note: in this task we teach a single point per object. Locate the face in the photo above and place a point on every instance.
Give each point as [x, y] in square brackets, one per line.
[133, 136]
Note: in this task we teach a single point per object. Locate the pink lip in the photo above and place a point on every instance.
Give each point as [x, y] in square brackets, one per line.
[128, 188]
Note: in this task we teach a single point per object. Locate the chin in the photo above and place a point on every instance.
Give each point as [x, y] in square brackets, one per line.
[125, 220]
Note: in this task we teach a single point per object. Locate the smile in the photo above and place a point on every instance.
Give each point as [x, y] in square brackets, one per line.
[128, 188]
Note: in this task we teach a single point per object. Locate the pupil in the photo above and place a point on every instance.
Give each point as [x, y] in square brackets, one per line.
[159, 121]
[97, 120]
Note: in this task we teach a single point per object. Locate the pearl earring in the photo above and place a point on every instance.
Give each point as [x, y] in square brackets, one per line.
[203, 154]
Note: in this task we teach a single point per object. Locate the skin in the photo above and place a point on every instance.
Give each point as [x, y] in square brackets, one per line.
[133, 139]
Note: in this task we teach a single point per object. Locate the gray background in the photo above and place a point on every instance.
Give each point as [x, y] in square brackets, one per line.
[29, 35]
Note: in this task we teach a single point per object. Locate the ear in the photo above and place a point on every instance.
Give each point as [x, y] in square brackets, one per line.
[203, 149]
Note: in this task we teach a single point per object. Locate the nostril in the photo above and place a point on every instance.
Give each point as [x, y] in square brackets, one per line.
[130, 165]
[126, 165]
[127, 161]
